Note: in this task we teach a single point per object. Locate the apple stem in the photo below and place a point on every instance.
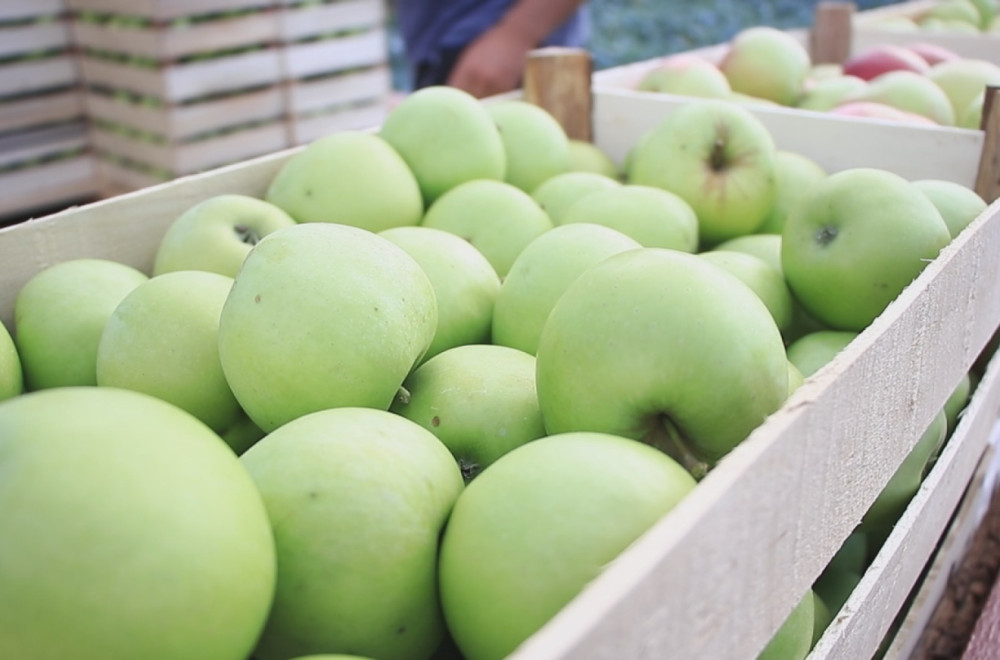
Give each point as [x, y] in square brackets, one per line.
[665, 436]
[717, 159]
[246, 235]
[402, 395]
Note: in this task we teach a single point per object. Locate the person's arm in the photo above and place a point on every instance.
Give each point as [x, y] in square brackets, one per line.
[494, 62]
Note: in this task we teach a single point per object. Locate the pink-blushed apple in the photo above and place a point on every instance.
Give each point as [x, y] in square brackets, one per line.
[911, 92]
[882, 111]
[767, 63]
[873, 62]
[934, 53]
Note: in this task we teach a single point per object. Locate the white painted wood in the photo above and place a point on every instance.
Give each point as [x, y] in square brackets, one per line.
[27, 77]
[307, 129]
[165, 9]
[902, 148]
[33, 37]
[28, 145]
[15, 10]
[315, 58]
[41, 109]
[307, 95]
[23, 191]
[116, 178]
[302, 22]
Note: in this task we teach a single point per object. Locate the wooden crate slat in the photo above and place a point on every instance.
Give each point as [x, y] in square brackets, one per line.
[31, 76]
[302, 22]
[43, 109]
[11, 10]
[112, 75]
[165, 9]
[118, 179]
[307, 129]
[30, 38]
[22, 191]
[24, 146]
[319, 57]
[307, 95]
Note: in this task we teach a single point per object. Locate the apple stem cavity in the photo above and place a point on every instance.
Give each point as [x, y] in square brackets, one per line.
[826, 235]
[664, 435]
[246, 234]
[469, 469]
[717, 159]
[403, 395]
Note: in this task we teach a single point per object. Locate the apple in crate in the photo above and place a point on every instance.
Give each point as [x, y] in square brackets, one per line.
[587, 157]
[323, 315]
[767, 63]
[959, 205]
[686, 75]
[357, 500]
[11, 375]
[795, 175]
[557, 194]
[535, 144]
[909, 92]
[822, 95]
[794, 639]
[540, 523]
[876, 110]
[761, 277]
[874, 61]
[130, 531]
[963, 81]
[59, 316]
[217, 233]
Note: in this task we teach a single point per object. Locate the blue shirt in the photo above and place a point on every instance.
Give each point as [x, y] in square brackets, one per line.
[432, 28]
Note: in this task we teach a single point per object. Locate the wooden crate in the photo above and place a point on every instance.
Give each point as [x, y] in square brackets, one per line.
[868, 30]
[717, 575]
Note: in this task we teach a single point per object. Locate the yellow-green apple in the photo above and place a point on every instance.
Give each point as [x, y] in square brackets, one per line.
[795, 174]
[654, 217]
[795, 378]
[852, 554]
[497, 218]
[11, 375]
[972, 116]
[443, 154]
[954, 11]
[882, 111]
[896, 23]
[686, 75]
[767, 63]
[541, 274]
[910, 92]
[535, 144]
[323, 315]
[852, 245]
[357, 499]
[793, 640]
[719, 158]
[59, 315]
[546, 518]
[217, 233]
[987, 12]
[828, 93]
[130, 528]
[560, 192]
[588, 157]
[876, 60]
[465, 284]
[242, 434]
[964, 80]
[761, 277]
[651, 344]
[763, 246]
[812, 351]
[957, 401]
[163, 340]
[953, 25]
[479, 400]
[833, 588]
[959, 205]
[351, 178]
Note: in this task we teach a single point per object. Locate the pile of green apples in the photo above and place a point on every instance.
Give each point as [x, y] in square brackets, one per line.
[921, 83]
[954, 16]
[413, 398]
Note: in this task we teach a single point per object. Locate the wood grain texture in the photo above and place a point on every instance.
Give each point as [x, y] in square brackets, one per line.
[559, 80]
[988, 178]
[830, 38]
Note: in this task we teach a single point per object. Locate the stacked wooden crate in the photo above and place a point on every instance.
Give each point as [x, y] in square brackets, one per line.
[43, 133]
[174, 88]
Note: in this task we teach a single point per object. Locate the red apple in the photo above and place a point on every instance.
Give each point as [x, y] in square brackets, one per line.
[881, 59]
[933, 53]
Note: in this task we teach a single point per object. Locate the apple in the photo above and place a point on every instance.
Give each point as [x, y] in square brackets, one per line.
[465, 284]
[11, 375]
[873, 62]
[793, 640]
[323, 315]
[934, 53]
[959, 205]
[957, 401]
[828, 93]
[833, 588]
[130, 528]
[541, 274]
[588, 157]
[497, 218]
[540, 523]
[242, 434]
[651, 344]
[59, 315]
[795, 378]
[687, 76]
[972, 116]
[443, 154]
[897, 23]
[719, 158]
[352, 178]
[560, 192]
[854, 243]
[761, 277]
[535, 144]
[910, 92]
[881, 111]
[767, 63]
[954, 11]
[163, 340]
[217, 233]
[795, 175]
[357, 500]
[654, 217]
[763, 246]
[964, 80]
[479, 400]
[952, 25]
[987, 12]
[812, 351]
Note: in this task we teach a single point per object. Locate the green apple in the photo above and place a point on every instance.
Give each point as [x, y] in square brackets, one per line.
[479, 400]
[795, 174]
[768, 63]
[560, 192]
[653, 217]
[911, 92]
[896, 24]
[686, 75]
[11, 375]
[535, 144]
[762, 246]
[812, 351]
[130, 528]
[447, 137]
[830, 92]
[541, 274]
[539, 524]
[964, 11]
[852, 554]
[652, 344]
[987, 12]
[794, 638]
[822, 617]
[972, 116]
[855, 242]
[959, 205]
[465, 284]
[323, 315]
[833, 588]
[357, 499]
[242, 434]
[163, 340]
[351, 178]
[963, 80]
[957, 401]
[795, 378]
[59, 315]
[497, 218]
[763, 279]
[588, 157]
[217, 233]
[719, 158]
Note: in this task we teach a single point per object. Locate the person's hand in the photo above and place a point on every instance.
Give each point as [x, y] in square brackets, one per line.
[492, 64]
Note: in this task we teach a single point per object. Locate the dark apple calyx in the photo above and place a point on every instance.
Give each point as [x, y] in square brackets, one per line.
[470, 468]
[246, 234]
[663, 434]
[717, 158]
[826, 234]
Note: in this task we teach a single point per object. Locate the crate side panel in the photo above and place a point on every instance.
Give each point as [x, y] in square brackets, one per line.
[11, 10]
[32, 111]
[34, 76]
[327, 56]
[23, 191]
[304, 96]
[30, 38]
[303, 22]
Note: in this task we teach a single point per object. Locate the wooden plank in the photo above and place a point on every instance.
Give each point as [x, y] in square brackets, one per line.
[22, 191]
[307, 129]
[298, 23]
[988, 179]
[558, 79]
[863, 622]
[25, 146]
[116, 179]
[16, 10]
[830, 38]
[307, 95]
[316, 58]
[48, 108]
[22, 39]
[32, 76]
[165, 9]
